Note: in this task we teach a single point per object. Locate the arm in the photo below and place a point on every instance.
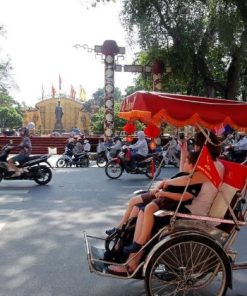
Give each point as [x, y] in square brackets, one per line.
[183, 154]
[174, 196]
[162, 185]
[197, 178]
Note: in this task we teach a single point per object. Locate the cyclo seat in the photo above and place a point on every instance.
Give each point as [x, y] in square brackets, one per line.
[226, 210]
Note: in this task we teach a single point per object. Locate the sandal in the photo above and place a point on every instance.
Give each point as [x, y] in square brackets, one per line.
[112, 230]
[119, 270]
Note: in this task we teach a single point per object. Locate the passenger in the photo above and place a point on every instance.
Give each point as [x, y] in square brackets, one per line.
[199, 206]
[25, 150]
[117, 145]
[163, 197]
[87, 146]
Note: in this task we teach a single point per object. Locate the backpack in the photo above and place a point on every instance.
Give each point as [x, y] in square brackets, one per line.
[115, 242]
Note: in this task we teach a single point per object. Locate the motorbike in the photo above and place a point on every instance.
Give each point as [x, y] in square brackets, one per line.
[149, 166]
[36, 168]
[103, 157]
[167, 158]
[69, 160]
[230, 153]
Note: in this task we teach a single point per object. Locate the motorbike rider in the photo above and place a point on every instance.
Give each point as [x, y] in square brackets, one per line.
[139, 149]
[70, 145]
[240, 148]
[78, 148]
[24, 152]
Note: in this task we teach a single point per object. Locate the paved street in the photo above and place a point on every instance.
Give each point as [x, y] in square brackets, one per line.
[41, 247]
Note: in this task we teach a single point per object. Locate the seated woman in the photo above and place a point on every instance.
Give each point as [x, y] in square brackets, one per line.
[200, 205]
[163, 196]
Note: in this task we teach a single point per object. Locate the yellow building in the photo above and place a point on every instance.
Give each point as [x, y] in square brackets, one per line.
[44, 117]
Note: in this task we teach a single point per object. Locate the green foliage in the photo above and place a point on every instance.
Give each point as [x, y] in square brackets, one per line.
[98, 98]
[203, 42]
[98, 120]
[9, 118]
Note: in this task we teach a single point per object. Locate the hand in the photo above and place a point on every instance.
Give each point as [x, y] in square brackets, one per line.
[154, 191]
[160, 194]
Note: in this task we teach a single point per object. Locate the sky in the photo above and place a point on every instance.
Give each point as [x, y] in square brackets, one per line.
[39, 40]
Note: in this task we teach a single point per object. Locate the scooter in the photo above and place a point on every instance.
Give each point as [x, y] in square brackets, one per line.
[36, 168]
[230, 153]
[149, 166]
[69, 160]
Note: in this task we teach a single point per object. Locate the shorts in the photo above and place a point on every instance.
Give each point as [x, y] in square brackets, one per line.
[19, 158]
[163, 203]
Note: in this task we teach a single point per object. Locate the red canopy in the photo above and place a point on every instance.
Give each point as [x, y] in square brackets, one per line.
[180, 110]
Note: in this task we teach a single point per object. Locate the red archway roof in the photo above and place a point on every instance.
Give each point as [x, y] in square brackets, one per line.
[181, 110]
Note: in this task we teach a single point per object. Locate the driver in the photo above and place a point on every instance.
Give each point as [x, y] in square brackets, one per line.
[139, 149]
[24, 152]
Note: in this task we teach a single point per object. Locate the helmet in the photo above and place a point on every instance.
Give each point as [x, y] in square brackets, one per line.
[25, 131]
[117, 138]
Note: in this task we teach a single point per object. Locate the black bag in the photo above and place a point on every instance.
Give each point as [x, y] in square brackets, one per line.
[115, 242]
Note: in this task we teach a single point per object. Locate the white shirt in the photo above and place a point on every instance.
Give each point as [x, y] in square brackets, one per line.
[241, 144]
[202, 203]
[87, 147]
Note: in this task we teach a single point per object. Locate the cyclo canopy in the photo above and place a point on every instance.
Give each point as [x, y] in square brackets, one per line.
[181, 110]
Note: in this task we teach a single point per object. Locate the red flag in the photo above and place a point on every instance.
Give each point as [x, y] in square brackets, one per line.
[206, 165]
[60, 82]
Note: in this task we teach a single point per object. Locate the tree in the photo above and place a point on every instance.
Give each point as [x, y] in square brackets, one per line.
[204, 42]
[9, 118]
[98, 98]
[99, 118]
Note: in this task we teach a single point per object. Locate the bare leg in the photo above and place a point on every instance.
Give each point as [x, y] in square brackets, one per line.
[12, 165]
[148, 222]
[133, 201]
[134, 213]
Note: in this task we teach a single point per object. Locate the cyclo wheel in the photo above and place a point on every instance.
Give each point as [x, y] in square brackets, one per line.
[188, 265]
[157, 169]
[113, 170]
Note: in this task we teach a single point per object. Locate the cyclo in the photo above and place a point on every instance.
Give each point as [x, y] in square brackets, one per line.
[192, 255]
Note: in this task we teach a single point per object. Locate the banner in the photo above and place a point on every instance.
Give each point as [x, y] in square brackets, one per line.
[206, 165]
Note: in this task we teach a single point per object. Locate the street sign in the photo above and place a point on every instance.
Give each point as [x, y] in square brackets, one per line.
[118, 68]
[133, 68]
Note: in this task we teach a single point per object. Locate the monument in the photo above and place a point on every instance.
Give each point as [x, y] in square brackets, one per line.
[59, 115]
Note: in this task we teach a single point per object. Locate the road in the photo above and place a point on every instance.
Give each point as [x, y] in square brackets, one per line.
[42, 251]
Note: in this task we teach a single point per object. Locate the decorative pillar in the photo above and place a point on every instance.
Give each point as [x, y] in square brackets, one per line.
[158, 70]
[109, 50]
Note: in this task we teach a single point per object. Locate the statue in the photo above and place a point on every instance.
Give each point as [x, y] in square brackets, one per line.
[59, 115]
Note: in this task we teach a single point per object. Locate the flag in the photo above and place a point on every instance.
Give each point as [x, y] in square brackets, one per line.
[82, 93]
[60, 82]
[53, 91]
[206, 165]
[42, 92]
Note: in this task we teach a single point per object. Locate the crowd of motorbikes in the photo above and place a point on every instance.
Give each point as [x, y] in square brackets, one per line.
[114, 161]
